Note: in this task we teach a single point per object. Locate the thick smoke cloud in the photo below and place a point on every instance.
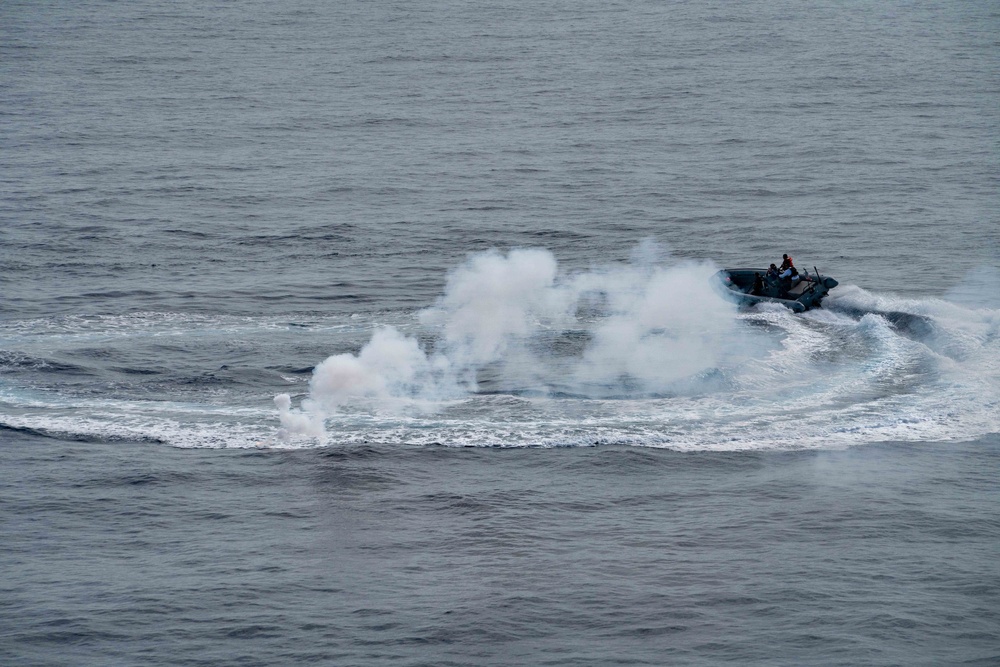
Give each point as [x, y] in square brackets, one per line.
[494, 301]
[644, 329]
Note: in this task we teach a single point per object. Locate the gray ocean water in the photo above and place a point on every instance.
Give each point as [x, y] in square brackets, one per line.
[370, 333]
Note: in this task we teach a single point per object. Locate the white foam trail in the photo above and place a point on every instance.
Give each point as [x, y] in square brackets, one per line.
[175, 423]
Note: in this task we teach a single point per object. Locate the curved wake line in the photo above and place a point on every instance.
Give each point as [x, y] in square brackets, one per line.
[679, 424]
[515, 354]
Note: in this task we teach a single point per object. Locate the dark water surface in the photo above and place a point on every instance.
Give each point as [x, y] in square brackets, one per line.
[370, 333]
[444, 556]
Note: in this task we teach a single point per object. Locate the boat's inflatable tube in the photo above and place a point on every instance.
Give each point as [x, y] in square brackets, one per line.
[736, 285]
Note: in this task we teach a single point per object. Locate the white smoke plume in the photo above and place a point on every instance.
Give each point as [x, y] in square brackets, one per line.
[647, 328]
[493, 301]
[663, 325]
[390, 366]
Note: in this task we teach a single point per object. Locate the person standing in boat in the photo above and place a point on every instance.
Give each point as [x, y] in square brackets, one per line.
[788, 271]
[758, 284]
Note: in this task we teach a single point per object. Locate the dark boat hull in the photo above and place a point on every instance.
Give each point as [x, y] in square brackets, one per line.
[808, 292]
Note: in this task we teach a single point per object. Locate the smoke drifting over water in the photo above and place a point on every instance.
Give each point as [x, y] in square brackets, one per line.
[633, 330]
[649, 353]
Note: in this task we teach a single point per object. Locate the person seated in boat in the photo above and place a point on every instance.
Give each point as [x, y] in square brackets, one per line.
[772, 273]
[790, 275]
[786, 263]
[758, 284]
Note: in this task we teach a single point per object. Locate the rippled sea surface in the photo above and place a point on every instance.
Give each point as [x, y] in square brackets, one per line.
[374, 333]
